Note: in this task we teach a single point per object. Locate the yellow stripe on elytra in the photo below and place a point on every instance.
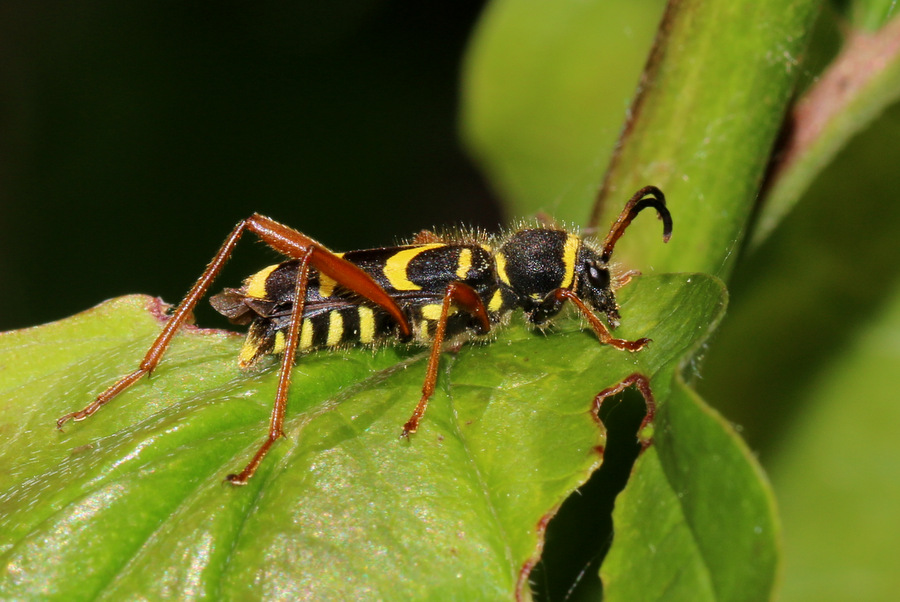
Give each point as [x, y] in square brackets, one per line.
[496, 301]
[306, 334]
[395, 267]
[326, 285]
[366, 324]
[501, 268]
[256, 284]
[570, 252]
[335, 328]
[465, 264]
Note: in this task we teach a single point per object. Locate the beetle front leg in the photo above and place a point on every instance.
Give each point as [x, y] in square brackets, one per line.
[564, 294]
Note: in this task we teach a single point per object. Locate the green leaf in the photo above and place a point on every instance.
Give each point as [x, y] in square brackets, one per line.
[699, 517]
[132, 502]
[712, 103]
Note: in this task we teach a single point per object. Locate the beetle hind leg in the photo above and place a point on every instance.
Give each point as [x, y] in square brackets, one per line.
[276, 422]
[290, 243]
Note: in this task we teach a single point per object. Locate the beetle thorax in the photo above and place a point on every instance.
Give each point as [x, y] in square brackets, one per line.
[534, 263]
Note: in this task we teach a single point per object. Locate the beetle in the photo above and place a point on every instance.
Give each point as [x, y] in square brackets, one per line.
[436, 288]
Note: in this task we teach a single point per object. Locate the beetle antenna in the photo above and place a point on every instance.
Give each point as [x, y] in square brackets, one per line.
[648, 196]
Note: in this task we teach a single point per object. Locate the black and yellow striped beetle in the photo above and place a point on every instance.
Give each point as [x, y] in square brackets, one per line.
[436, 288]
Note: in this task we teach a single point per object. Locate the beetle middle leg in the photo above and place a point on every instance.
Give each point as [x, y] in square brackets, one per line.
[465, 297]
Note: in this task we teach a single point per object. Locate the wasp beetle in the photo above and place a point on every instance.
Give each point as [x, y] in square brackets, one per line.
[435, 289]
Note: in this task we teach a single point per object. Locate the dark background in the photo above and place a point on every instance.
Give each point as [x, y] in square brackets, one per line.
[133, 136]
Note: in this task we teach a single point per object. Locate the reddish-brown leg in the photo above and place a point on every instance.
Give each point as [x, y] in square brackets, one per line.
[279, 237]
[602, 332]
[643, 385]
[546, 220]
[425, 237]
[276, 423]
[465, 297]
[626, 277]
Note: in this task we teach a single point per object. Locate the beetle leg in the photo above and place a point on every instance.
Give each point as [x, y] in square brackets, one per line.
[546, 220]
[276, 423]
[564, 294]
[425, 237]
[625, 278]
[282, 239]
[465, 297]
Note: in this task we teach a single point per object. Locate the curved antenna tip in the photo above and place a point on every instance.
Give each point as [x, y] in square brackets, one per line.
[648, 196]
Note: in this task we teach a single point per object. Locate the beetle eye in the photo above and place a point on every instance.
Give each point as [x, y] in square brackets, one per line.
[599, 277]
